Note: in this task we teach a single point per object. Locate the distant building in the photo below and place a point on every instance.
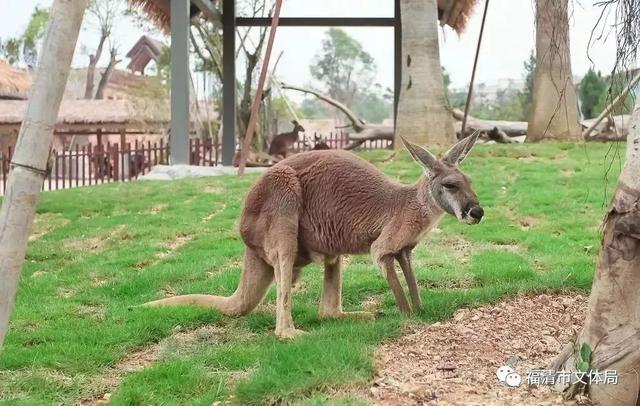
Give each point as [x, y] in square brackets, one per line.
[143, 52]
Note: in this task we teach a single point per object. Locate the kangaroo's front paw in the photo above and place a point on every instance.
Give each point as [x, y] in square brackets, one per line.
[289, 333]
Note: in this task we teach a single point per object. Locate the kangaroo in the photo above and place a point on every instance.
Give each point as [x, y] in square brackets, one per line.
[281, 143]
[321, 205]
[319, 143]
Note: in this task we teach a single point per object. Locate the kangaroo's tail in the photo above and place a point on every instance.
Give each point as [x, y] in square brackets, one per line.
[255, 280]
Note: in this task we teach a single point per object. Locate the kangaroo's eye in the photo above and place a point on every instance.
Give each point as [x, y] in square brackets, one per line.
[449, 186]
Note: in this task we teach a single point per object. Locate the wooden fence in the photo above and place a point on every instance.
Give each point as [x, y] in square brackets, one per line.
[97, 164]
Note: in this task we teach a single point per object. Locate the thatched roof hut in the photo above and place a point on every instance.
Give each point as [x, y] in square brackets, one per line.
[84, 117]
[87, 115]
[454, 13]
[14, 83]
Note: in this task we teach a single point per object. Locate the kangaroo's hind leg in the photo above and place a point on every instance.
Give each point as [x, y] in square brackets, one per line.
[282, 254]
[278, 220]
[331, 300]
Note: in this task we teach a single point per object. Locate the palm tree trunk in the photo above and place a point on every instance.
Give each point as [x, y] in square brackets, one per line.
[423, 114]
[554, 114]
[612, 327]
[30, 158]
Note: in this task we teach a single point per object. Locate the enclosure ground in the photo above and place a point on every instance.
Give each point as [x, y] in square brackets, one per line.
[454, 362]
[78, 336]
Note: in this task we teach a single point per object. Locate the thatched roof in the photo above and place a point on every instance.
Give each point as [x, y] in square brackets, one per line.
[159, 11]
[122, 85]
[142, 114]
[14, 83]
[92, 112]
[454, 13]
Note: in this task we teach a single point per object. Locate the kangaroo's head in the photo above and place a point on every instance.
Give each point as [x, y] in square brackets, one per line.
[319, 143]
[448, 187]
[297, 128]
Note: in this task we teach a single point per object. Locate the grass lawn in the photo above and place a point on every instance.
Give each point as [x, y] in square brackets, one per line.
[97, 253]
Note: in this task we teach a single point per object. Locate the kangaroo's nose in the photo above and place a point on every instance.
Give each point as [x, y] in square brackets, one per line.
[477, 213]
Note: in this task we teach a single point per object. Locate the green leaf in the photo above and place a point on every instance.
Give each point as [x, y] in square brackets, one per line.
[583, 366]
[585, 353]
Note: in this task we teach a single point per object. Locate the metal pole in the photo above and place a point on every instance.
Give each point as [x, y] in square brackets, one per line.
[229, 82]
[179, 139]
[473, 73]
[255, 108]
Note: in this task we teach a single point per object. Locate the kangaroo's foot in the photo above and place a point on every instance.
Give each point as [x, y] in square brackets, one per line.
[289, 333]
[359, 315]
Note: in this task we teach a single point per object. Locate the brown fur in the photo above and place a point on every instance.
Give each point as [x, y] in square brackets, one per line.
[320, 205]
[319, 144]
[282, 143]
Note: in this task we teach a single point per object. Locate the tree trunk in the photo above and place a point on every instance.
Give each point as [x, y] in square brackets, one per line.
[423, 115]
[106, 76]
[91, 69]
[612, 325]
[32, 150]
[554, 113]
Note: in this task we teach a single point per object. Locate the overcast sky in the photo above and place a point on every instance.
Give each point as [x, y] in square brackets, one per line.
[508, 39]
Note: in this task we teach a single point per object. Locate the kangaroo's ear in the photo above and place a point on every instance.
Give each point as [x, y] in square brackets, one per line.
[421, 155]
[294, 122]
[456, 154]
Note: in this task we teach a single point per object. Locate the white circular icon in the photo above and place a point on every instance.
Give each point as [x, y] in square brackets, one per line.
[513, 379]
[503, 371]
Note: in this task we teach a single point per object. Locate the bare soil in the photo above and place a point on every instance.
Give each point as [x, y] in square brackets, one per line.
[455, 362]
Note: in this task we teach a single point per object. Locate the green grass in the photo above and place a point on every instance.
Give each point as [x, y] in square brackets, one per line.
[102, 251]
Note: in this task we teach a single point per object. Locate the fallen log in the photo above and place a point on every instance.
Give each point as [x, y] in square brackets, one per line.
[509, 128]
[362, 131]
[611, 128]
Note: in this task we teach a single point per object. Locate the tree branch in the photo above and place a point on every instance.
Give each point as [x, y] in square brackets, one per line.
[357, 123]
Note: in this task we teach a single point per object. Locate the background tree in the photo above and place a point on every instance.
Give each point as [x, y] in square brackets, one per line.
[103, 14]
[529, 74]
[423, 113]
[591, 89]
[24, 49]
[343, 66]
[375, 104]
[610, 338]
[554, 113]
[613, 87]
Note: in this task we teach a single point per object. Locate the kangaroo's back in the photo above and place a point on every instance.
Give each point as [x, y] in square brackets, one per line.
[345, 201]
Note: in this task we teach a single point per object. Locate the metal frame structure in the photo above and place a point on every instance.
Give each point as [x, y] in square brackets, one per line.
[180, 64]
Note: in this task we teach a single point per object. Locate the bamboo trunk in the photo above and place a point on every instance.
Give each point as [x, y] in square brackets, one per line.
[32, 149]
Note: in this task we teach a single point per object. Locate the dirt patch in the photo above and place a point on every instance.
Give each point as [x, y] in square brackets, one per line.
[96, 312]
[455, 362]
[85, 244]
[45, 223]
[216, 190]
[183, 343]
[178, 241]
[372, 303]
[180, 343]
[157, 208]
[214, 213]
[462, 249]
[108, 382]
